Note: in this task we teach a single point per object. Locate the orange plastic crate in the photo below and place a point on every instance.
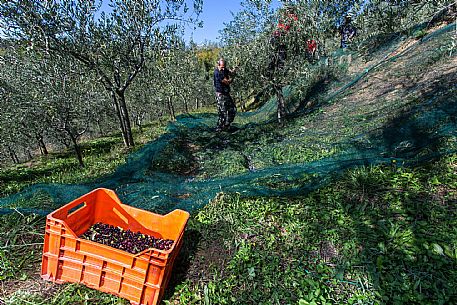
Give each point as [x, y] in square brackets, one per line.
[140, 278]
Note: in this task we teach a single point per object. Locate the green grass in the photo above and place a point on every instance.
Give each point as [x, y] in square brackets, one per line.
[68, 294]
[378, 235]
[101, 157]
[20, 245]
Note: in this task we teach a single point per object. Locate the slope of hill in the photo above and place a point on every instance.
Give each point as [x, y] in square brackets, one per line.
[353, 201]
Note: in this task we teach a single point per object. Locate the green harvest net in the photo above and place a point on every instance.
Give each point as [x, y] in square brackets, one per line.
[352, 123]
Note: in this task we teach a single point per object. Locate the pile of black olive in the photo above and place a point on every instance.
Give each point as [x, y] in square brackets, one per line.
[124, 239]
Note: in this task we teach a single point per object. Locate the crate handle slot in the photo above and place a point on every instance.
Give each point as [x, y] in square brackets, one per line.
[121, 215]
[76, 208]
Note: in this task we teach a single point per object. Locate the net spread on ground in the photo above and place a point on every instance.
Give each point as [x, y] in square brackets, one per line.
[374, 117]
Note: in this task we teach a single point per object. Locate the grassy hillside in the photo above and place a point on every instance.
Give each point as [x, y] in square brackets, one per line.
[373, 234]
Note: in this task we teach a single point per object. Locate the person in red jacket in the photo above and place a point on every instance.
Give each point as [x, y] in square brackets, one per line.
[286, 22]
[311, 50]
[277, 40]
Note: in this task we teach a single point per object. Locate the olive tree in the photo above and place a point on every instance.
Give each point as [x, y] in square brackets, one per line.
[387, 16]
[68, 100]
[46, 97]
[175, 83]
[115, 45]
[183, 79]
[24, 119]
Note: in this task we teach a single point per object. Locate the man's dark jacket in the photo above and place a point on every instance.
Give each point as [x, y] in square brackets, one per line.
[219, 86]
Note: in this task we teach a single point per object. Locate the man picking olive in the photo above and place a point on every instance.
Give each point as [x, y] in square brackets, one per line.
[225, 105]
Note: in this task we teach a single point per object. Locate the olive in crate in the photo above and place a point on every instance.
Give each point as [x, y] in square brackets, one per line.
[125, 240]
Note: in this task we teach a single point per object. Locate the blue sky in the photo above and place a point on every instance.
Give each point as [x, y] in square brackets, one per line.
[215, 14]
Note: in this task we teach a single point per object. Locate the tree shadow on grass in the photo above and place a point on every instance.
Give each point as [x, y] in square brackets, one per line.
[199, 257]
[31, 174]
[401, 237]
[309, 102]
[183, 261]
[406, 231]
[421, 127]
